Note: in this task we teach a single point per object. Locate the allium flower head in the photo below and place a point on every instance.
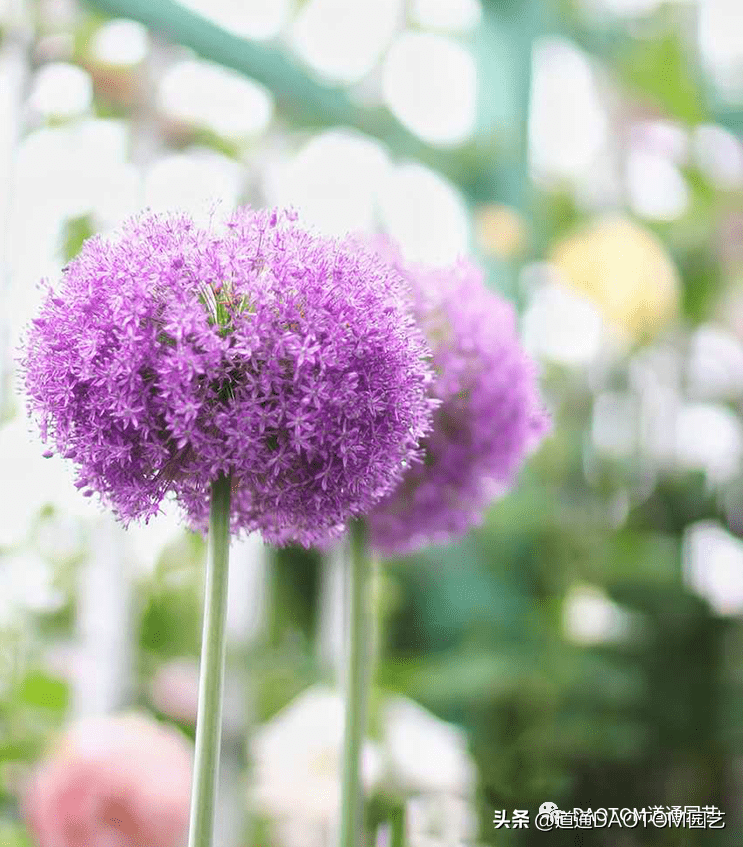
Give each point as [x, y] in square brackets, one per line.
[489, 416]
[174, 353]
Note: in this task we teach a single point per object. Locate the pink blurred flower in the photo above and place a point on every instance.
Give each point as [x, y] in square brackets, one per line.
[175, 689]
[118, 781]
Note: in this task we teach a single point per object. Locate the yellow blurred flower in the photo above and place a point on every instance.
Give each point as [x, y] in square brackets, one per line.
[501, 231]
[626, 270]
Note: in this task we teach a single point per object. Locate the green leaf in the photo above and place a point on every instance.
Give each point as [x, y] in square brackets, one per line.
[660, 68]
[44, 692]
[76, 231]
[13, 835]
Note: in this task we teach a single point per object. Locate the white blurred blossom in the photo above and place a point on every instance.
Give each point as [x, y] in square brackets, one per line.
[713, 566]
[719, 155]
[61, 173]
[709, 438]
[70, 164]
[32, 482]
[721, 45]
[568, 124]
[297, 763]
[423, 754]
[342, 181]
[425, 214]
[657, 189]
[342, 41]
[297, 759]
[121, 42]
[663, 137]
[715, 366]
[207, 95]
[26, 585]
[258, 19]
[430, 84]
[561, 326]
[590, 616]
[333, 180]
[435, 819]
[61, 90]
[448, 15]
[193, 181]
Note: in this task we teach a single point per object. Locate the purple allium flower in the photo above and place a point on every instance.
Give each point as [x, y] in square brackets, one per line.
[489, 416]
[172, 354]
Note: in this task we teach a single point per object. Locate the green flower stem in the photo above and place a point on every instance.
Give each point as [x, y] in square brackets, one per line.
[357, 685]
[211, 679]
[397, 828]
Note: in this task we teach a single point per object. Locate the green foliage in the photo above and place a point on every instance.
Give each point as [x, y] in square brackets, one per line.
[13, 835]
[76, 232]
[39, 690]
[659, 70]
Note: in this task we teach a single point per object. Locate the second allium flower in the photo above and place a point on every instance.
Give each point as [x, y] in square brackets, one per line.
[173, 353]
[489, 414]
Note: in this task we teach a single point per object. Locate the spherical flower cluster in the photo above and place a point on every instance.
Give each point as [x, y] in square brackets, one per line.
[489, 416]
[173, 354]
[118, 781]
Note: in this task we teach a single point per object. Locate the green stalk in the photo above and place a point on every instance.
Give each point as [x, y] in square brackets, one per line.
[397, 828]
[357, 686]
[211, 678]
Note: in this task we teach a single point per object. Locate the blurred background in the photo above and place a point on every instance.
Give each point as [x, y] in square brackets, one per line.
[585, 646]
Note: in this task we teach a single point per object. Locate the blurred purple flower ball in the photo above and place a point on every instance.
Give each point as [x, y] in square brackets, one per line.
[173, 353]
[490, 415]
